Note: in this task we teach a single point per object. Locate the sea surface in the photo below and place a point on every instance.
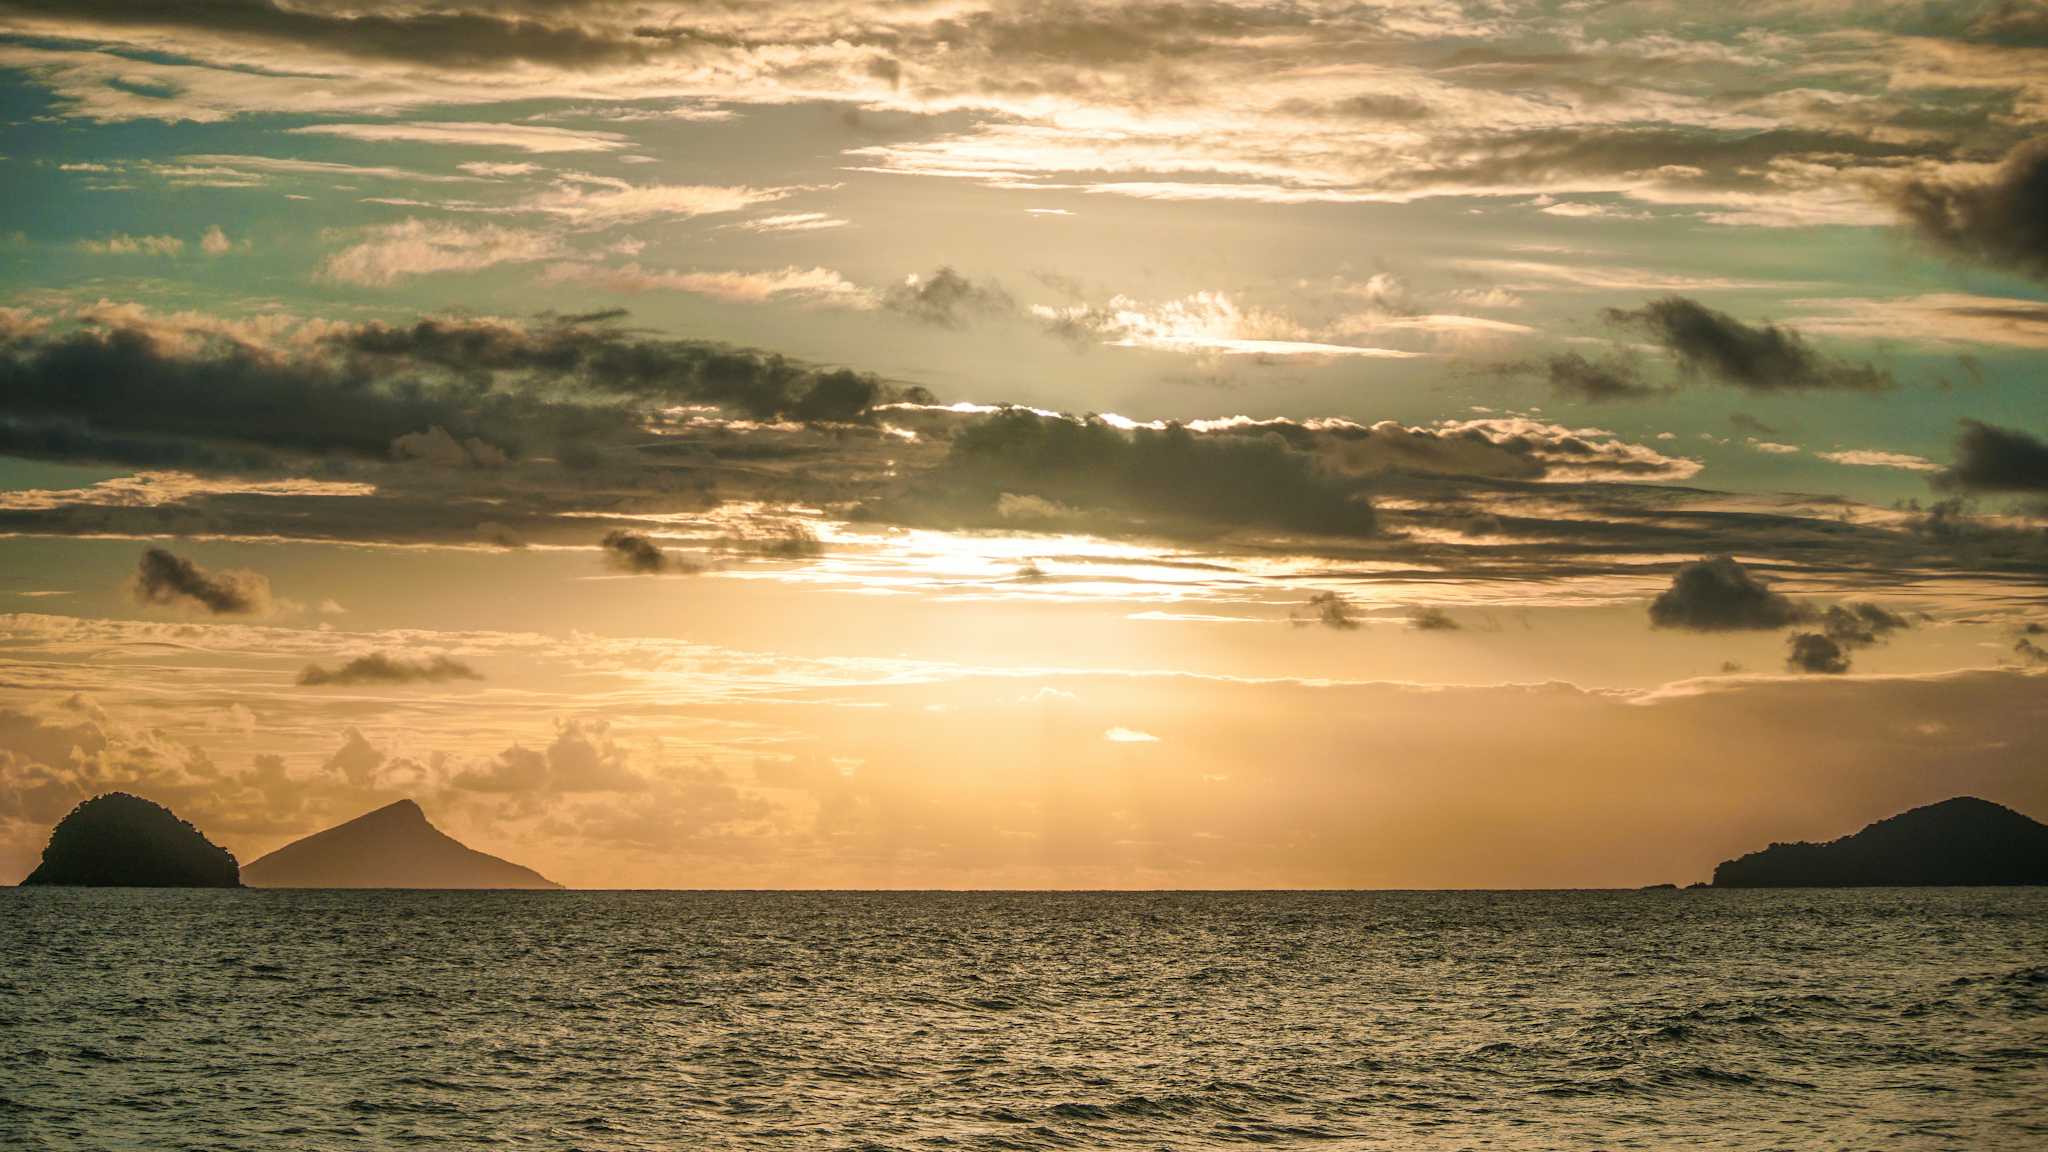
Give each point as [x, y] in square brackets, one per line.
[267, 1020]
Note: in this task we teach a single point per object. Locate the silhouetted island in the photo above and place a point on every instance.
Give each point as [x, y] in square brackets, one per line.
[393, 847]
[123, 841]
[1964, 841]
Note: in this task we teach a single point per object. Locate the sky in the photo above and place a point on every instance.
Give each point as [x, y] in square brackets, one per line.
[942, 444]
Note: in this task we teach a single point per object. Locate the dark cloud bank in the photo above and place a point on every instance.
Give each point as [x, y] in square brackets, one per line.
[2002, 221]
[483, 39]
[496, 433]
[1994, 459]
[132, 395]
[1083, 473]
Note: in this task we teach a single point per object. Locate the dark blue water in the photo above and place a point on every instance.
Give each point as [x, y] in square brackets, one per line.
[278, 1020]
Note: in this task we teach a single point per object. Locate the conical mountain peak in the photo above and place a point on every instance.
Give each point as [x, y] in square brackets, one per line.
[407, 809]
[395, 846]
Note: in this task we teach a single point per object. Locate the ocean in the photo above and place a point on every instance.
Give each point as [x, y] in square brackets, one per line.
[266, 1020]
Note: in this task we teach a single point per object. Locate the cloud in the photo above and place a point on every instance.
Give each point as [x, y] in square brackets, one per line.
[608, 363]
[603, 202]
[436, 446]
[228, 169]
[1843, 629]
[1782, 123]
[418, 248]
[20, 325]
[495, 169]
[198, 392]
[162, 577]
[1528, 275]
[215, 242]
[792, 541]
[1994, 459]
[583, 757]
[156, 489]
[634, 553]
[1438, 324]
[53, 757]
[1206, 323]
[1129, 736]
[1813, 652]
[2001, 220]
[946, 299]
[380, 668]
[601, 424]
[122, 244]
[1329, 609]
[1572, 374]
[1171, 481]
[1860, 625]
[442, 38]
[1579, 210]
[793, 222]
[1432, 619]
[1279, 479]
[135, 391]
[1872, 458]
[1759, 358]
[1935, 318]
[1718, 594]
[468, 133]
[804, 285]
[1503, 447]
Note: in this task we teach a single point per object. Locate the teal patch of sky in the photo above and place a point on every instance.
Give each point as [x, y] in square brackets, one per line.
[18, 475]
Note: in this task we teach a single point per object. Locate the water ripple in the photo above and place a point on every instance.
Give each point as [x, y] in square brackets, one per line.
[611, 1021]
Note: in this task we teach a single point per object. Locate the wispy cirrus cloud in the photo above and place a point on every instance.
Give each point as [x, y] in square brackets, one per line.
[232, 165]
[1930, 318]
[414, 247]
[532, 138]
[152, 489]
[494, 169]
[1874, 458]
[603, 202]
[1530, 275]
[809, 285]
[792, 222]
